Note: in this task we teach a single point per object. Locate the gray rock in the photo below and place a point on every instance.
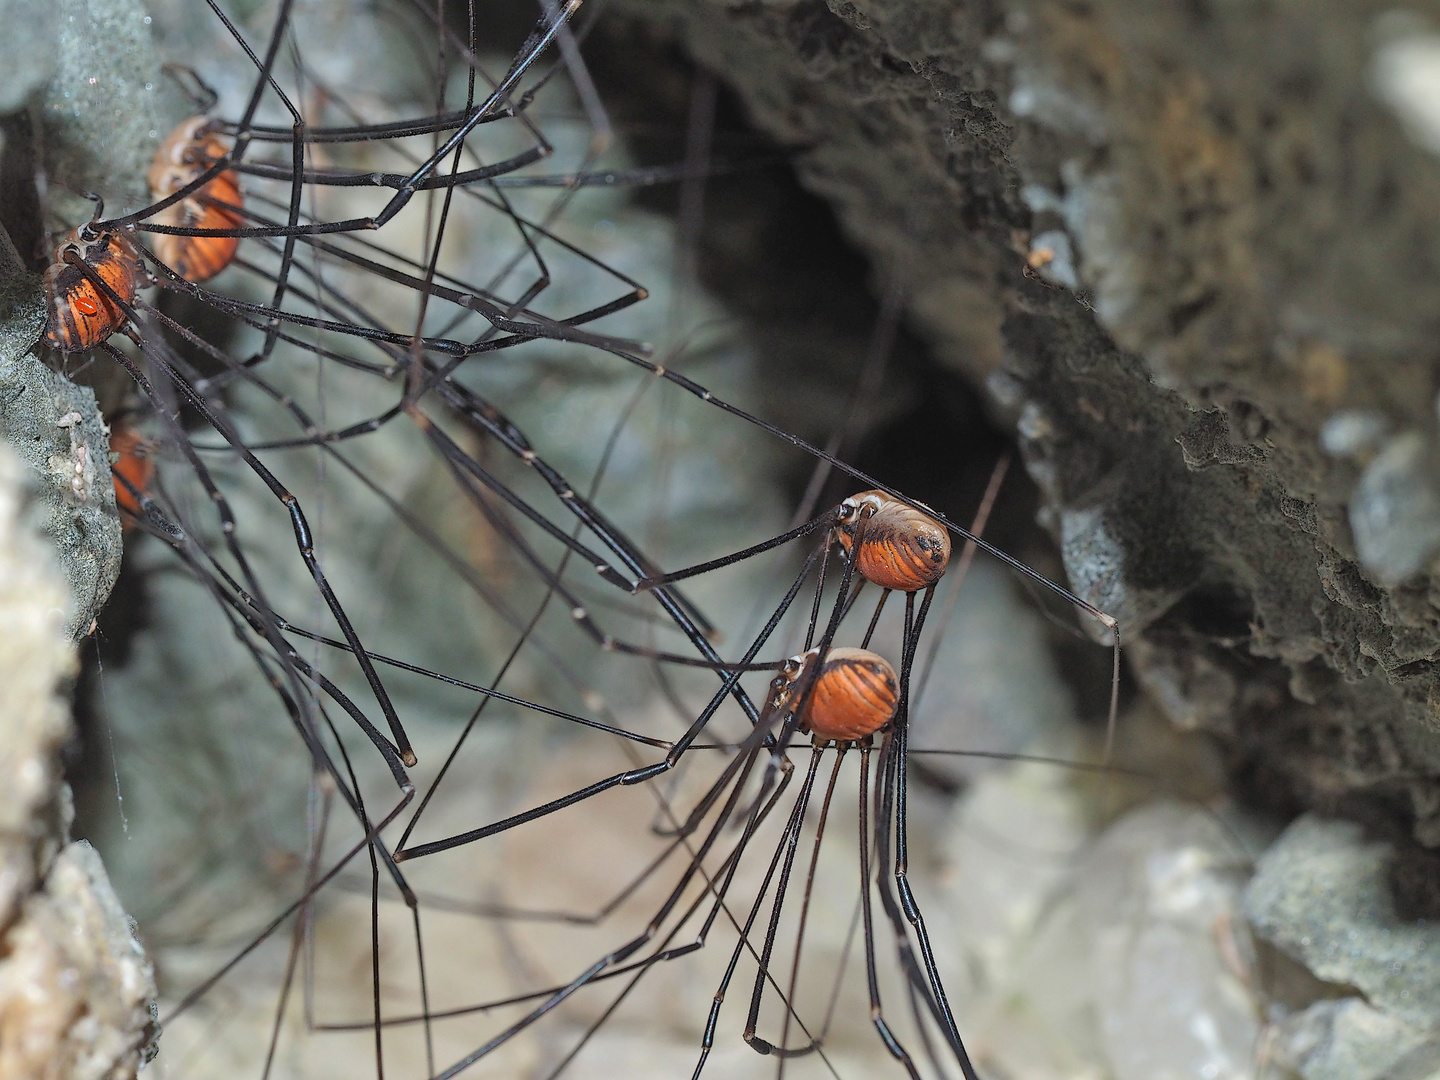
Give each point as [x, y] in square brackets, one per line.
[1320, 893]
[106, 109]
[1350, 1040]
[1352, 432]
[27, 49]
[76, 987]
[1100, 561]
[56, 428]
[76, 980]
[1122, 954]
[34, 658]
[1395, 509]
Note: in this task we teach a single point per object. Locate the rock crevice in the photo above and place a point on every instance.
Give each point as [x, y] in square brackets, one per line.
[1189, 251]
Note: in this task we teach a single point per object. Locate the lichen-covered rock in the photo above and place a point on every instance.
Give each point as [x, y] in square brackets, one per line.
[106, 108]
[56, 428]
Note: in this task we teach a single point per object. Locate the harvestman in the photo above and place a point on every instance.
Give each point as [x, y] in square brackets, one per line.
[92, 283]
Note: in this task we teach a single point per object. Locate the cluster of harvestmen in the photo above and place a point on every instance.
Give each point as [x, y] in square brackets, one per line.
[846, 698]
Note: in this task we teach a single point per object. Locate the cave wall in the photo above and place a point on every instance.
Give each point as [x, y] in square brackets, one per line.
[1190, 251]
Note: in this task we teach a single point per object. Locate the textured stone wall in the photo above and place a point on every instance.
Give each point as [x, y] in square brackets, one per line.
[1190, 251]
[55, 426]
[76, 988]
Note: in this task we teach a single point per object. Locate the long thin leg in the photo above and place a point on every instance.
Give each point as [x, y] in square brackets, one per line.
[790, 842]
[707, 1041]
[624, 952]
[756, 816]
[872, 981]
[370, 838]
[497, 425]
[901, 909]
[733, 779]
[630, 776]
[908, 902]
[418, 528]
[301, 527]
[804, 915]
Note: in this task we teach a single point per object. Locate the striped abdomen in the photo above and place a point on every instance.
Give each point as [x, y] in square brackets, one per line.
[855, 695]
[900, 547]
[187, 153]
[134, 465]
[80, 314]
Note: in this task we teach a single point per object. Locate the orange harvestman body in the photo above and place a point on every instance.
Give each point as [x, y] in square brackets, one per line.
[133, 466]
[902, 549]
[79, 313]
[186, 153]
[855, 695]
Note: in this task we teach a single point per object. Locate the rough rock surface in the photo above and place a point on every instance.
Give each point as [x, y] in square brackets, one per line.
[76, 989]
[36, 719]
[106, 108]
[1321, 893]
[75, 986]
[1189, 247]
[56, 428]
[27, 51]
